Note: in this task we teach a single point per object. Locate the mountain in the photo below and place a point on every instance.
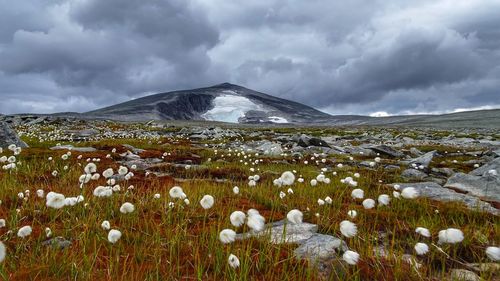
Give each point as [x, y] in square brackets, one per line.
[224, 102]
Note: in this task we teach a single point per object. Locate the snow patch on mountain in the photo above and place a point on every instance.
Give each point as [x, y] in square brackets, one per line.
[229, 107]
[277, 119]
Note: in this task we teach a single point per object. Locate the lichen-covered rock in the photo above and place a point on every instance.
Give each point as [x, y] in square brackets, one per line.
[9, 136]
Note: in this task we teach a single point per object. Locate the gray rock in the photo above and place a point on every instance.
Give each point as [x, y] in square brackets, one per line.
[305, 141]
[142, 164]
[463, 275]
[487, 187]
[484, 170]
[320, 247]
[415, 152]
[387, 150]
[434, 191]
[9, 136]
[58, 242]
[413, 174]
[270, 148]
[133, 149]
[72, 148]
[424, 160]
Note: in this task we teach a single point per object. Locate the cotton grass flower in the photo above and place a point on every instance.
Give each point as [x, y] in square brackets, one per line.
[328, 200]
[493, 253]
[450, 236]
[55, 200]
[423, 231]
[295, 216]
[368, 203]
[127, 208]
[314, 182]
[358, 193]
[105, 225]
[384, 200]
[227, 236]
[287, 178]
[348, 229]
[352, 213]
[350, 257]
[233, 261]
[90, 168]
[48, 232]
[207, 202]
[103, 191]
[2, 223]
[321, 202]
[177, 192]
[3, 251]
[255, 221]
[236, 190]
[409, 193]
[24, 231]
[114, 235]
[237, 218]
[421, 249]
[108, 173]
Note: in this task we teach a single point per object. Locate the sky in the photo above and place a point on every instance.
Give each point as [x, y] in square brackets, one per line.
[368, 57]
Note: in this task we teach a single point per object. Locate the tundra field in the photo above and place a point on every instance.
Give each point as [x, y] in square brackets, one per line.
[101, 200]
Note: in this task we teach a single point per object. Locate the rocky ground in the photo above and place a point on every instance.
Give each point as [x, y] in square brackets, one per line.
[386, 181]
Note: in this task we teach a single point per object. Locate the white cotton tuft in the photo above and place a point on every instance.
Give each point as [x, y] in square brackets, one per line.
[177, 192]
[105, 225]
[114, 235]
[237, 218]
[55, 200]
[352, 213]
[350, 257]
[233, 261]
[421, 248]
[450, 236]
[3, 251]
[24, 231]
[294, 216]
[423, 231]
[287, 178]
[493, 253]
[384, 200]
[207, 202]
[348, 229]
[127, 208]
[227, 236]
[358, 193]
[368, 203]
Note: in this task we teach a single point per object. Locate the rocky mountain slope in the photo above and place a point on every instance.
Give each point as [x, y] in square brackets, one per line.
[225, 102]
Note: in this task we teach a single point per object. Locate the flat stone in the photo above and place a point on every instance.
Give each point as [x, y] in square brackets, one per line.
[413, 174]
[72, 148]
[484, 170]
[283, 232]
[320, 247]
[436, 192]
[58, 242]
[387, 150]
[486, 187]
[463, 275]
[424, 160]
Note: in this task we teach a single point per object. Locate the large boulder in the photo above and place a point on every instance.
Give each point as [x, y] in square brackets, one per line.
[305, 141]
[9, 136]
[387, 150]
[424, 160]
[436, 192]
[486, 187]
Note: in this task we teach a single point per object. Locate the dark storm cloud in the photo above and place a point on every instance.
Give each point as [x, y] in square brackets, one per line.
[352, 57]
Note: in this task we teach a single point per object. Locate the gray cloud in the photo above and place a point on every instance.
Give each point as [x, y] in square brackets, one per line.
[358, 57]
